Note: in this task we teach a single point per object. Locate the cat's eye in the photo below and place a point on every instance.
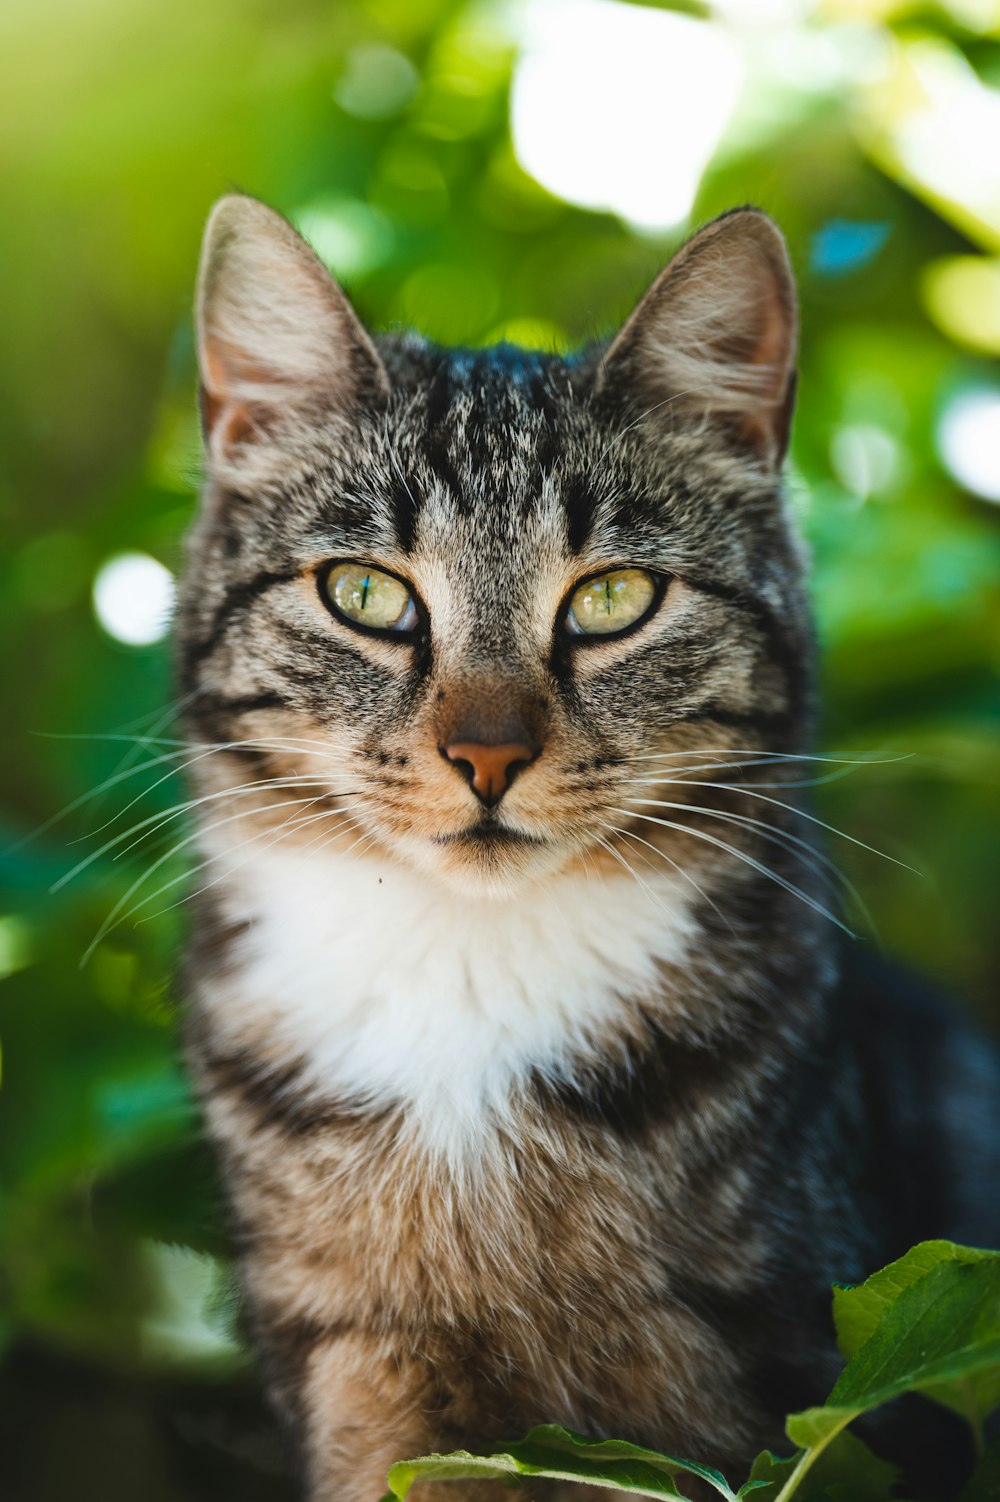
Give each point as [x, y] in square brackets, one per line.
[369, 597]
[609, 603]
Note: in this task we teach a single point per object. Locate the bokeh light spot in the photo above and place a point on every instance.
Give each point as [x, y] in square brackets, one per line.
[377, 82]
[845, 245]
[865, 458]
[350, 236]
[763, 13]
[935, 124]
[962, 294]
[133, 595]
[618, 107]
[968, 438]
[190, 1317]
[15, 945]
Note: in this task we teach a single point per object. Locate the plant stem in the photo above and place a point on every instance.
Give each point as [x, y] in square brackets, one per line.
[806, 1460]
[972, 1417]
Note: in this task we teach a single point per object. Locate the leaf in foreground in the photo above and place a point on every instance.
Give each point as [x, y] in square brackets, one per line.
[937, 1332]
[554, 1452]
[940, 1335]
[857, 1311]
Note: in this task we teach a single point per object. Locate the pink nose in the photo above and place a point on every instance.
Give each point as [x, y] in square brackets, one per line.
[492, 768]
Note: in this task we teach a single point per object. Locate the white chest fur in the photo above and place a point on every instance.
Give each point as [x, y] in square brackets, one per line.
[398, 990]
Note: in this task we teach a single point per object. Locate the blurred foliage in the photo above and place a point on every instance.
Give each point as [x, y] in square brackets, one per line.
[382, 128]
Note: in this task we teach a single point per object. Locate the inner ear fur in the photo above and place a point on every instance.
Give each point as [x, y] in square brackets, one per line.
[715, 336]
[279, 345]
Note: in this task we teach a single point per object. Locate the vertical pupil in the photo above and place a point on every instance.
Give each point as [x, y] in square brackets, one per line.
[365, 586]
[607, 595]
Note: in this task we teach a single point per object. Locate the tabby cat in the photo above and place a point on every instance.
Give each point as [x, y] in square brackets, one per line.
[516, 1009]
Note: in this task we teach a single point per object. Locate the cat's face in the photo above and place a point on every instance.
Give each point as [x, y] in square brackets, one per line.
[457, 606]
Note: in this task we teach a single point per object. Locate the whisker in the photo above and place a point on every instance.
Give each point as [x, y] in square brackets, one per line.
[394, 461]
[785, 838]
[263, 785]
[606, 845]
[323, 838]
[790, 841]
[174, 771]
[689, 769]
[84, 798]
[742, 855]
[837, 775]
[145, 738]
[801, 812]
[630, 834]
[164, 816]
[181, 755]
[192, 871]
[861, 759]
[179, 742]
[286, 826]
[360, 844]
[110, 921]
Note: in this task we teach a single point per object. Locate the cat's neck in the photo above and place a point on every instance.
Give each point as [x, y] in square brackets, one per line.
[391, 988]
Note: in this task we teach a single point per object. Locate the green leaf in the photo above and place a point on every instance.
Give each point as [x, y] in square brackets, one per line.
[554, 1452]
[768, 1471]
[929, 1323]
[816, 1426]
[937, 1333]
[940, 1335]
[857, 1310]
[460, 1465]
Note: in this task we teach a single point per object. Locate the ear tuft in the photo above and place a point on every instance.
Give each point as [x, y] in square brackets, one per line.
[279, 345]
[715, 335]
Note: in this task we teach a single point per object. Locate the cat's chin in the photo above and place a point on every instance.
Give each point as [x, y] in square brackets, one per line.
[498, 864]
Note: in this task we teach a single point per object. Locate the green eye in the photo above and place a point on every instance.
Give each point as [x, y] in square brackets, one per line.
[371, 598]
[610, 602]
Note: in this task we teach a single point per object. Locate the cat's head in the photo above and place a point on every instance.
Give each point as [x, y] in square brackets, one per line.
[457, 606]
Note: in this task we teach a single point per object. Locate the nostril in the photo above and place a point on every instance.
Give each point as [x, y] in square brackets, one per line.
[517, 765]
[489, 770]
[462, 764]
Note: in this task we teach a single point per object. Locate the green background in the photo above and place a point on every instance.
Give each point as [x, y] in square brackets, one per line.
[120, 123]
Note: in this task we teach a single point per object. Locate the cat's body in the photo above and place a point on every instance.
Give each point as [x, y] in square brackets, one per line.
[531, 1108]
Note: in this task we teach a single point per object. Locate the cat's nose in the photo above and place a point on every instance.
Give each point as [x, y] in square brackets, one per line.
[490, 770]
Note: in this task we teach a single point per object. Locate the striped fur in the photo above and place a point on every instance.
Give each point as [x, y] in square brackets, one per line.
[563, 1119]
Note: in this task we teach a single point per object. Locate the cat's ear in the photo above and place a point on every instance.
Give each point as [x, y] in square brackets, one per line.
[279, 345]
[715, 336]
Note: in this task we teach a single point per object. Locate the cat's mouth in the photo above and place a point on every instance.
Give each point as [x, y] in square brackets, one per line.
[487, 835]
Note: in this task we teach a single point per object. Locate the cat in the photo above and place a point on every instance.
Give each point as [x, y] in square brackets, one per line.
[517, 1013]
